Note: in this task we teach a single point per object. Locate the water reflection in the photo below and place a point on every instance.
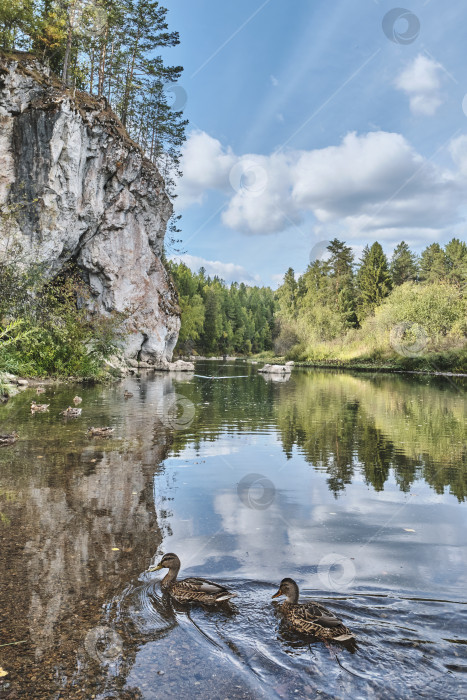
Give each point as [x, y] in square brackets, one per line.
[344, 424]
[78, 524]
[353, 484]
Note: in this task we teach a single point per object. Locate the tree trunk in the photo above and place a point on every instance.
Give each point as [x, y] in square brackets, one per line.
[69, 39]
[100, 85]
[129, 80]
[91, 77]
[110, 72]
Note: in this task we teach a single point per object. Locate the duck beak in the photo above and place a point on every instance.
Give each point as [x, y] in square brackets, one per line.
[155, 568]
[279, 593]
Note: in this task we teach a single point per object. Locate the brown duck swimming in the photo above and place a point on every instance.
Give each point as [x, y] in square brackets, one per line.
[9, 438]
[310, 618]
[198, 590]
[39, 407]
[100, 432]
[71, 412]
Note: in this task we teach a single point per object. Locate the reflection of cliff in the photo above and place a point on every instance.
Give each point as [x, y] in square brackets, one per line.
[82, 526]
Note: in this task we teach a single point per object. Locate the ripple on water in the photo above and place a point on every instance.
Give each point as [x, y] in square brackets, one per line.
[401, 650]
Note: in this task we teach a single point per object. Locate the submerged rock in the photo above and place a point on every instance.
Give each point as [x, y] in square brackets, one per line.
[82, 192]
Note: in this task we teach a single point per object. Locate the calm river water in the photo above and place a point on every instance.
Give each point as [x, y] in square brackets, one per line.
[353, 484]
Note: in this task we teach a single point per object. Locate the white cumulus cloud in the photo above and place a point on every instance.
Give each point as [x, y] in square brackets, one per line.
[369, 184]
[421, 81]
[229, 272]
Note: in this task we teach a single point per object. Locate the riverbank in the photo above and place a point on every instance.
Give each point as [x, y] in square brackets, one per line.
[454, 362]
[113, 369]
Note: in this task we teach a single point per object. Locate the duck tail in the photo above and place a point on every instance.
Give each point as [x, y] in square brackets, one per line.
[344, 637]
[226, 596]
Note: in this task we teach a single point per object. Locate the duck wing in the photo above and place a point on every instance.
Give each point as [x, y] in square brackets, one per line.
[315, 619]
[200, 589]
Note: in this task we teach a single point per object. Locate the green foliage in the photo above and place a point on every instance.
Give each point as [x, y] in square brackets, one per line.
[439, 308]
[433, 264]
[42, 330]
[417, 325]
[373, 280]
[456, 261]
[16, 22]
[110, 48]
[217, 319]
[404, 265]
[287, 294]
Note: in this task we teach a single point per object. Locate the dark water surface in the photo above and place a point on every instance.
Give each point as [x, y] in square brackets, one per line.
[353, 484]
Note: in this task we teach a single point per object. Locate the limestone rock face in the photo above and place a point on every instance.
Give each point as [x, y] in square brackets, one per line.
[83, 192]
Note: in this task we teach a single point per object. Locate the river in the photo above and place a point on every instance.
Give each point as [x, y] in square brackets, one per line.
[353, 484]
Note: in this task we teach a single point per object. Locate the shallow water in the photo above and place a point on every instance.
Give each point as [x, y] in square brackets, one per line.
[353, 484]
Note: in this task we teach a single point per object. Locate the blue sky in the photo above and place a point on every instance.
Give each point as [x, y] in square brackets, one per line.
[308, 122]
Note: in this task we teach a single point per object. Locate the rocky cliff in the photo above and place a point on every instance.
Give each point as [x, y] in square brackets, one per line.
[83, 192]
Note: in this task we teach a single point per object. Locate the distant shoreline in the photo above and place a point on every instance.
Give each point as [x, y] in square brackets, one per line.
[337, 365]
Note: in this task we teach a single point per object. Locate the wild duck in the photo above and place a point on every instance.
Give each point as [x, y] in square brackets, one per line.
[77, 400]
[71, 412]
[310, 618]
[127, 394]
[40, 390]
[100, 432]
[39, 407]
[9, 438]
[198, 590]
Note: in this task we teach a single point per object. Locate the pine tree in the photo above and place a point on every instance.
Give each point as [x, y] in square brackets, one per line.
[16, 23]
[287, 294]
[342, 275]
[433, 264]
[456, 261]
[403, 264]
[373, 279]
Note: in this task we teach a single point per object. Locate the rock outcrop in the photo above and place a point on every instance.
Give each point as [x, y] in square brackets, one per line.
[277, 369]
[81, 191]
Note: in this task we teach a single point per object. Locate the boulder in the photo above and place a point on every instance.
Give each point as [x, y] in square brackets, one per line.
[275, 369]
